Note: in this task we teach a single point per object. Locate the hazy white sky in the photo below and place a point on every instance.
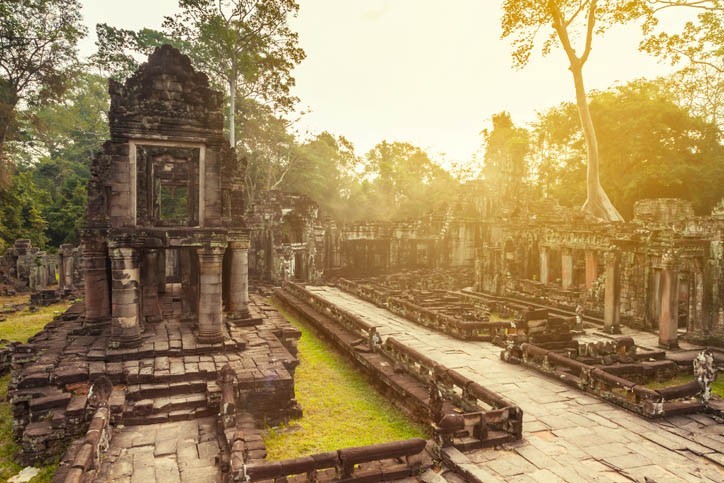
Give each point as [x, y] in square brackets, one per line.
[429, 72]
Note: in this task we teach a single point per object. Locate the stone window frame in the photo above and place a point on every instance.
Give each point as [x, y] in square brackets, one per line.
[133, 168]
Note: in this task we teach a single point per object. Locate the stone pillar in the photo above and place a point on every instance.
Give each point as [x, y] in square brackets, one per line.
[669, 302]
[239, 280]
[210, 302]
[566, 268]
[591, 268]
[161, 278]
[189, 289]
[66, 266]
[544, 265]
[150, 276]
[612, 304]
[97, 285]
[127, 325]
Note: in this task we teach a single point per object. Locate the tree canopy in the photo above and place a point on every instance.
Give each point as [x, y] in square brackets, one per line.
[37, 54]
[561, 22]
[653, 147]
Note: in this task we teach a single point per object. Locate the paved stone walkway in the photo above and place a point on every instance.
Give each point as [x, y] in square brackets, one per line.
[173, 452]
[568, 435]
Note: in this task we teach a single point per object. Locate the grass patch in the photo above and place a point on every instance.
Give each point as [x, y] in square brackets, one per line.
[20, 326]
[341, 408]
[8, 467]
[717, 387]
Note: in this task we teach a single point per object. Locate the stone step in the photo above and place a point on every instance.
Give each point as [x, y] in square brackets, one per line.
[166, 405]
[175, 415]
[136, 392]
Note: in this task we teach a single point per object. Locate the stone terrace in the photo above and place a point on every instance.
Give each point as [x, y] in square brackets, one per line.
[170, 377]
[568, 435]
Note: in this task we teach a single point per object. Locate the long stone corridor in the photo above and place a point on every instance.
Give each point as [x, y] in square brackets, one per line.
[568, 435]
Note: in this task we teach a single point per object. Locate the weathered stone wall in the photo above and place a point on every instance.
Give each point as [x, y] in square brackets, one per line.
[289, 240]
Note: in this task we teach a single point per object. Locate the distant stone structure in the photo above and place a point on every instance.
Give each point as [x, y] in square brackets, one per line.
[25, 268]
[663, 271]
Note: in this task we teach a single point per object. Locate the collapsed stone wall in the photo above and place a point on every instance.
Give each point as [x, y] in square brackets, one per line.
[527, 249]
[25, 268]
[289, 239]
[662, 270]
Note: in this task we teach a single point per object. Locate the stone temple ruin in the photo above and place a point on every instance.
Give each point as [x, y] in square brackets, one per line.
[47, 276]
[499, 321]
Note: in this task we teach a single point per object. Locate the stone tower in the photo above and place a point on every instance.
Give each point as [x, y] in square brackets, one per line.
[165, 205]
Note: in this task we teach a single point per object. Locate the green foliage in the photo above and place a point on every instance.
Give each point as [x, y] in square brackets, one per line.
[247, 42]
[650, 147]
[700, 42]
[20, 211]
[340, 408]
[525, 20]
[37, 53]
[401, 182]
[56, 147]
[323, 169]
[116, 48]
[266, 144]
[506, 149]
[699, 47]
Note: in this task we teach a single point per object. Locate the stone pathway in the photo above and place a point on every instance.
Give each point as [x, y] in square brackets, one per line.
[568, 435]
[173, 452]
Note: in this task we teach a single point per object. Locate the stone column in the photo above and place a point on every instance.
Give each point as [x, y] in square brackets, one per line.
[544, 264]
[127, 325]
[150, 275]
[95, 279]
[239, 280]
[66, 266]
[189, 289]
[612, 307]
[566, 268]
[210, 303]
[669, 302]
[161, 279]
[591, 268]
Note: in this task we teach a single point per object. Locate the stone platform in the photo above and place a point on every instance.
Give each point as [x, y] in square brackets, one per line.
[170, 377]
[567, 435]
[172, 452]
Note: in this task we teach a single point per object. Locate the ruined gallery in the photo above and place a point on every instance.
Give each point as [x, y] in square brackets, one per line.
[525, 337]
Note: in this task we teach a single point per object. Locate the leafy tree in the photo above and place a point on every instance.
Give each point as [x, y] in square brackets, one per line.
[324, 171]
[246, 47]
[266, 144]
[700, 42]
[20, 212]
[506, 149]
[699, 46]
[564, 21]
[402, 182]
[117, 49]
[37, 53]
[245, 44]
[653, 147]
[60, 139]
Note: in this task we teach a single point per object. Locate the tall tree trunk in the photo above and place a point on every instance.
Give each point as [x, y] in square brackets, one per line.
[8, 101]
[597, 202]
[232, 110]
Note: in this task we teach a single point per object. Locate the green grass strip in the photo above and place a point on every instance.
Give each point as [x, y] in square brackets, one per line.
[717, 387]
[341, 408]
